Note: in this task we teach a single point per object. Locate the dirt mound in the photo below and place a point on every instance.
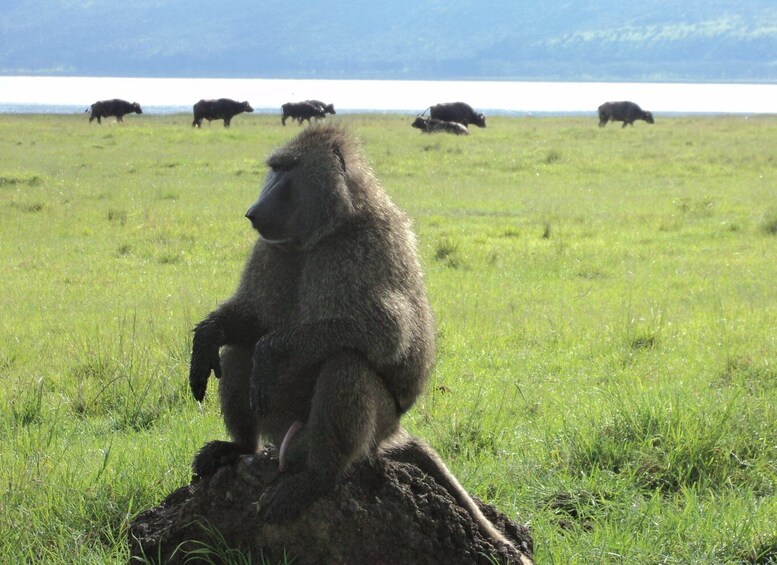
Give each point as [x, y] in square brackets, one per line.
[385, 512]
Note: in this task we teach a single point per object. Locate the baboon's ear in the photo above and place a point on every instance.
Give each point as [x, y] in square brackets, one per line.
[339, 154]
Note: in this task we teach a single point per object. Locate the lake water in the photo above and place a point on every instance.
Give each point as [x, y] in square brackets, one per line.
[169, 95]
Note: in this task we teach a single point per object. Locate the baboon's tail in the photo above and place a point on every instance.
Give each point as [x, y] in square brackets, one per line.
[409, 449]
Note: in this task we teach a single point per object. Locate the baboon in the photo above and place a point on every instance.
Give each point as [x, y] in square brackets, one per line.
[329, 338]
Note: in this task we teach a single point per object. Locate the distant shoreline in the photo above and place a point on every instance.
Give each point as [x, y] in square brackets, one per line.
[70, 109]
[64, 110]
[167, 96]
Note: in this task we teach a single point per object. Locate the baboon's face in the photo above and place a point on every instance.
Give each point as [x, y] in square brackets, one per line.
[305, 197]
[279, 213]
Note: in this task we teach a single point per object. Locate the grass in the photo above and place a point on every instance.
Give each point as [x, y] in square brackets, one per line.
[605, 302]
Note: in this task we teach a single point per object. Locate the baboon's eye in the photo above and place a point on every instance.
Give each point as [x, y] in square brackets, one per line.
[281, 164]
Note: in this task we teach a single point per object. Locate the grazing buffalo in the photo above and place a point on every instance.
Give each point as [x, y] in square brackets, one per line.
[114, 107]
[458, 112]
[302, 111]
[221, 109]
[431, 125]
[327, 108]
[625, 112]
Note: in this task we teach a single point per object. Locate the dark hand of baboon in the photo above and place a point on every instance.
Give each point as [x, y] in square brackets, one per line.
[229, 324]
[205, 357]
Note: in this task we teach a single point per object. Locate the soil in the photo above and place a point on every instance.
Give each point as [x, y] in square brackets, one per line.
[384, 512]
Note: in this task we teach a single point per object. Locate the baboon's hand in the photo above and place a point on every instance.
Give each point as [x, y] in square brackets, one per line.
[263, 375]
[205, 358]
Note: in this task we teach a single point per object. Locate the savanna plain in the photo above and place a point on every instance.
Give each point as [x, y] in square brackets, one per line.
[606, 304]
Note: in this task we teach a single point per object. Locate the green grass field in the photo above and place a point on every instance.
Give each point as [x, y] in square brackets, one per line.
[606, 303]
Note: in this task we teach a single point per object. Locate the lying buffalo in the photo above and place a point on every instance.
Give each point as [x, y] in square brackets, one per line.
[114, 107]
[625, 112]
[458, 112]
[301, 111]
[221, 109]
[431, 125]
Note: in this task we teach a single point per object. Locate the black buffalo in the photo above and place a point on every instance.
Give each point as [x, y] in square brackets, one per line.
[625, 112]
[458, 112]
[327, 108]
[431, 125]
[114, 107]
[221, 109]
[302, 111]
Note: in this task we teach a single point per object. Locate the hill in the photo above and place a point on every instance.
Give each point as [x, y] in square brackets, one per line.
[492, 39]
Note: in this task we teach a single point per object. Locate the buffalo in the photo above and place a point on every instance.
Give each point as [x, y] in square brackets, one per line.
[221, 109]
[458, 112]
[625, 112]
[114, 107]
[301, 111]
[431, 125]
[327, 108]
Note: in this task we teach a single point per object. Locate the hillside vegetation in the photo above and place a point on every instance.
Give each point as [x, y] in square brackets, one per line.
[701, 40]
[605, 302]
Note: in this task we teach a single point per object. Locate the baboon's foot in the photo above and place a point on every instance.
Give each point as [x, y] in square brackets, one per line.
[216, 454]
[292, 496]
